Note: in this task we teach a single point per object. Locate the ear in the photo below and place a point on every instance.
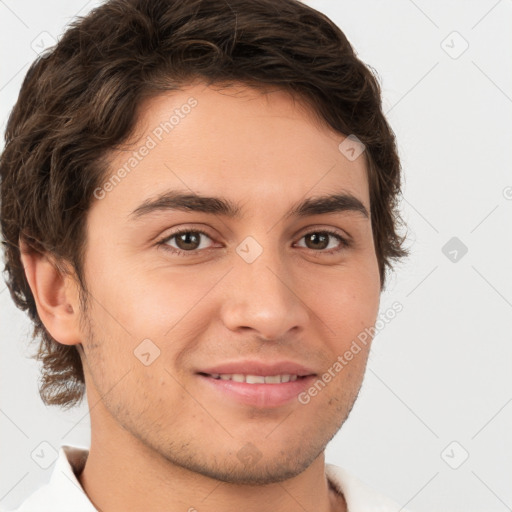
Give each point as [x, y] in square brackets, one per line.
[55, 294]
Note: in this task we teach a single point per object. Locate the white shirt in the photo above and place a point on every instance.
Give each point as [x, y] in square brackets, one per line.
[63, 493]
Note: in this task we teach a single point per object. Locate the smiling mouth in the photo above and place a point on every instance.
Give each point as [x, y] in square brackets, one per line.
[255, 379]
[257, 391]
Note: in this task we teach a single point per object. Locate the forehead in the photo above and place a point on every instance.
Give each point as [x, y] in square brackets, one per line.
[236, 141]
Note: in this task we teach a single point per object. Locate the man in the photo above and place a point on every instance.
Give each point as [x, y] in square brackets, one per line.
[198, 212]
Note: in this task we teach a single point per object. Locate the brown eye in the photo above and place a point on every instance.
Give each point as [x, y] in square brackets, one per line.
[185, 241]
[319, 241]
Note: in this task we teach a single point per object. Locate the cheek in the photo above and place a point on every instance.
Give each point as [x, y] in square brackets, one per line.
[156, 301]
[158, 304]
[347, 300]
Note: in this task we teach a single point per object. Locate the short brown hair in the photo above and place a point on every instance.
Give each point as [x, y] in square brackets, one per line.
[79, 99]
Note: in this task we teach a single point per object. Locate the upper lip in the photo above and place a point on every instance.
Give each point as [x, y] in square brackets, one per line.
[260, 368]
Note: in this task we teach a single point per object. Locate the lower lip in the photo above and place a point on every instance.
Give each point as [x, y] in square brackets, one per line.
[260, 395]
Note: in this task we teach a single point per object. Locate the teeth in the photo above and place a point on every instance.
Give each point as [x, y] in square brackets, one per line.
[255, 379]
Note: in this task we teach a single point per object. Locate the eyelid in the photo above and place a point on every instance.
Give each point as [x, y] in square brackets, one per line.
[327, 229]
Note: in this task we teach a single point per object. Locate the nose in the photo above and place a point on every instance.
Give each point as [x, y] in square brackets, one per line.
[265, 298]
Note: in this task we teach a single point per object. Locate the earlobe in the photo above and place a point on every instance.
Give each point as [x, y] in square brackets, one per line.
[55, 294]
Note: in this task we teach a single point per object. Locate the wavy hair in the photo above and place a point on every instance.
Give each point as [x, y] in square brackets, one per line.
[79, 101]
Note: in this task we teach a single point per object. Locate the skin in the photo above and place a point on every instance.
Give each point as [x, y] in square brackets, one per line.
[161, 439]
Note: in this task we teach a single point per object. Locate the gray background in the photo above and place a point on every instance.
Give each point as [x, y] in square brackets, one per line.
[439, 372]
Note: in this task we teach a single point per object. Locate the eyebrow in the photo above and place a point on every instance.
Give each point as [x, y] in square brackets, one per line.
[174, 200]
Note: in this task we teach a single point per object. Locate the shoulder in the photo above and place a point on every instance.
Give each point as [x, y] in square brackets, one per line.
[63, 492]
[359, 496]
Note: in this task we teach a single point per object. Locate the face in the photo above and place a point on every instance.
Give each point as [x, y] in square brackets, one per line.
[266, 280]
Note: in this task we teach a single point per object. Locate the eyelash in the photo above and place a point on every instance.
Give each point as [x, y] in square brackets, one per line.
[344, 243]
